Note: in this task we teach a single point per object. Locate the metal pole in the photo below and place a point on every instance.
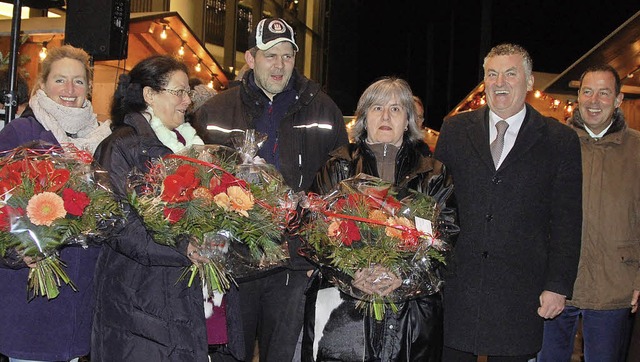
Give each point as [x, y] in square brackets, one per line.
[10, 103]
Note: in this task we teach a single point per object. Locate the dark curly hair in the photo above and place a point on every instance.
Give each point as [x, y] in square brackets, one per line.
[153, 72]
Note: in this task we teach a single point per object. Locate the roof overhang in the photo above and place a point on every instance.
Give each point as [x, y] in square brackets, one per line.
[144, 41]
[620, 49]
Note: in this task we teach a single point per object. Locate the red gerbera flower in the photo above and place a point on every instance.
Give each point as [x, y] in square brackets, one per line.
[75, 201]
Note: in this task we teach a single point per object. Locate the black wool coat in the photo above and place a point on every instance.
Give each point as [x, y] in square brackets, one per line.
[520, 229]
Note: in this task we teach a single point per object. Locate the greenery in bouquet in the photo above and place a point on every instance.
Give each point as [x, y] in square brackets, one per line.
[51, 199]
[367, 223]
[196, 195]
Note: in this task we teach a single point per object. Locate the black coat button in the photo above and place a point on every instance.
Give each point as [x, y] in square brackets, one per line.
[496, 180]
[485, 254]
[488, 217]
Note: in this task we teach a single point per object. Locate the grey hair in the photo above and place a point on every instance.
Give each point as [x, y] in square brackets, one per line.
[511, 49]
[379, 92]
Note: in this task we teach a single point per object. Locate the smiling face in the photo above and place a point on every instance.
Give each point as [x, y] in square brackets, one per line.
[170, 108]
[272, 68]
[597, 100]
[386, 122]
[506, 84]
[67, 83]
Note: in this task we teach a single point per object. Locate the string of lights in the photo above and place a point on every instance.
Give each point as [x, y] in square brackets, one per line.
[167, 31]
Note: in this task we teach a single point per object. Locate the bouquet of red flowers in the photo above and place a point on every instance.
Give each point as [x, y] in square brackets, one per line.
[237, 224]
[50, 199]
[368, 228]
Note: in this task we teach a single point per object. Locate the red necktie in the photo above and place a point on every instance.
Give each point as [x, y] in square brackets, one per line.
[180, 138]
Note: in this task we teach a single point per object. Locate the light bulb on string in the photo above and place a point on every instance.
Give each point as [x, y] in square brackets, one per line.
[210, 85]
[43, 51]
[181, 50]
[198, 66]
[163, 34]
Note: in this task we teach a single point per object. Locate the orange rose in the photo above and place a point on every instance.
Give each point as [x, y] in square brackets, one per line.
[395, 220]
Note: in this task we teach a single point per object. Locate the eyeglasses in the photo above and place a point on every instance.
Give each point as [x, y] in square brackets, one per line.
[179, 92]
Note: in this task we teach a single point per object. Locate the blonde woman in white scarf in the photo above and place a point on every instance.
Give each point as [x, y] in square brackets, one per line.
[59, 113]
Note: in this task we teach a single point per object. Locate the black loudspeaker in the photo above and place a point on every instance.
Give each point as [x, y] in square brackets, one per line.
[100, 27]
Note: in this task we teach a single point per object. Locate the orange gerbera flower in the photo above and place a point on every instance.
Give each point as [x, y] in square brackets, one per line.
[241, 200]
[44, 208]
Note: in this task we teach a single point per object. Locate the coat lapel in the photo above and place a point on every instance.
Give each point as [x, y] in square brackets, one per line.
[478, 133]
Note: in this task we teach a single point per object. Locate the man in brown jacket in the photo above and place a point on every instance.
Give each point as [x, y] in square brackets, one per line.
[608, 282]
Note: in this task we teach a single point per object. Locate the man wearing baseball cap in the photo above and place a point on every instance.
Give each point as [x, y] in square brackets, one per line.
[303, 125]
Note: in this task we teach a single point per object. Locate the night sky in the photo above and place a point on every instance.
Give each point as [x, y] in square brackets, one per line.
[439, 51]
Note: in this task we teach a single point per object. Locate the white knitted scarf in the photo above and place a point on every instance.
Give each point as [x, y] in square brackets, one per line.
[169, 138]
[70, 125]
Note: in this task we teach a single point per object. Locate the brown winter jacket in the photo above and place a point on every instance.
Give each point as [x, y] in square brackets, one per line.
[608, 269]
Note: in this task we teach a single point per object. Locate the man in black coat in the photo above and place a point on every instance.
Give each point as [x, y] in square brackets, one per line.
[303, 125]
[519, 198]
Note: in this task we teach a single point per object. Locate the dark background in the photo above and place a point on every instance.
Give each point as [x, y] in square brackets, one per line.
[439, 46]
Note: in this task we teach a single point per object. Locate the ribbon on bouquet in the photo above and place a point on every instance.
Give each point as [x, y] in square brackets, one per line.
[410, 235]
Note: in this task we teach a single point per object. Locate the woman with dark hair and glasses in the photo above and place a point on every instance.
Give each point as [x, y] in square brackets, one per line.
[143, 313]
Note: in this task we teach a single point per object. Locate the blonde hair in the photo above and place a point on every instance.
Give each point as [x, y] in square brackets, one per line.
[59, 53]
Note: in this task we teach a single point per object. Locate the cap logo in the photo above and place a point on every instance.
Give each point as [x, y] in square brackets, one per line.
[270, 32]
[277, 27]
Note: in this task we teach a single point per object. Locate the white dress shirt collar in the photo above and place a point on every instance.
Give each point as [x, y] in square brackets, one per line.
[515, 122]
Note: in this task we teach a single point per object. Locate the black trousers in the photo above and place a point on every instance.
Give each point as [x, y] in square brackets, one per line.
[272, 309]
[454, 355]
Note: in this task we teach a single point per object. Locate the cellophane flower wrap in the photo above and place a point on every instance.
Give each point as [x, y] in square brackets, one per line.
[196, 194]
[366, 223]
[51, 198]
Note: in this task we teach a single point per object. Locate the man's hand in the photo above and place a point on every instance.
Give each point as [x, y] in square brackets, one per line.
[551, 304]
[634, 301]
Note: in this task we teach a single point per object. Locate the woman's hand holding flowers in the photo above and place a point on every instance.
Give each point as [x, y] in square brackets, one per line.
[193, 253]
[376, 280]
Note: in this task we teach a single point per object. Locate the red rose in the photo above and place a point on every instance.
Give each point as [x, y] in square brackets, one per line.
[5, 213]
[75, 201]
[46, 177]
[10, 177]
[173, 214]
